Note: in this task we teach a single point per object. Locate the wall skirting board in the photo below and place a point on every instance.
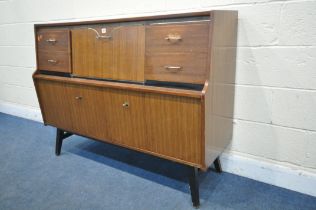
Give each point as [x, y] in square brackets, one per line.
[271, 172]
[27, 112]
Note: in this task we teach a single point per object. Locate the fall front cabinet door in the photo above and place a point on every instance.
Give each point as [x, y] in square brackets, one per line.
[109, 52]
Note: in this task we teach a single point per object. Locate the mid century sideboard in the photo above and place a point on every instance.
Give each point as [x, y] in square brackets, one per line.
[161, 85]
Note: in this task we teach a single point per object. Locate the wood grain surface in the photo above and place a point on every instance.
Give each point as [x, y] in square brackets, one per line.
[160, 124]
[119, 57]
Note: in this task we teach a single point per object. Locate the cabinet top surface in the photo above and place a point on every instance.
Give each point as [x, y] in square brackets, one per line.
[128, 19]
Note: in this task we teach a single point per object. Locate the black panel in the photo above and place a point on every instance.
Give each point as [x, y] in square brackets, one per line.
[54, 73]
[185, 86]
[178, 85]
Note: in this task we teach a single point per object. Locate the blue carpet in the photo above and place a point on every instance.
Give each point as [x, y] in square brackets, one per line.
[94, 175]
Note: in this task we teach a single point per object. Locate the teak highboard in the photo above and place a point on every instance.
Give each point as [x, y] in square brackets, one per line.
[161, 85]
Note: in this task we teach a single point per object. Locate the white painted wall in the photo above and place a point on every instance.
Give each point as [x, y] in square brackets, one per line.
[275, 103]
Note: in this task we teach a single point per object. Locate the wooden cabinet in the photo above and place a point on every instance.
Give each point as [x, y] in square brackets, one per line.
[151, 84]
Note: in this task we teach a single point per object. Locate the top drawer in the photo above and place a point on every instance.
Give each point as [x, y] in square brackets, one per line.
[180, 37]
[53, 39]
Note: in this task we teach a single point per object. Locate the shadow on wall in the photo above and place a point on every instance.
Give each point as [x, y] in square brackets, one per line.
[252, 117]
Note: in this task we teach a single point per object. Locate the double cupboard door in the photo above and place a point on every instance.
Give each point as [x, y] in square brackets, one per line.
[165, 125]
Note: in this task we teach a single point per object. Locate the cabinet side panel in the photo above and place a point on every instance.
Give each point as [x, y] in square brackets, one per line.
[219, 96]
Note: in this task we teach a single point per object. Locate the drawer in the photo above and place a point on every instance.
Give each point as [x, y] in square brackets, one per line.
[53, 39]
[177, 67]
[54, 61]
[188, 37]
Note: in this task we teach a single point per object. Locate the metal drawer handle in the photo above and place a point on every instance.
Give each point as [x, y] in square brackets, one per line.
[51, 41]
[52, 61]
[171, 37]
[98, 36]
[78, 97]
[126, 104]
[174, 68]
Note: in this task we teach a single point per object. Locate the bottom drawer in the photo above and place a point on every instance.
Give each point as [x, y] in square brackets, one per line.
[176, 67]
[54, 61]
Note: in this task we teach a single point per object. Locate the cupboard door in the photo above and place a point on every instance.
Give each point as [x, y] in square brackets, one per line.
[125, 112]
[73, 108]
[101, 113]
[173, 127]
[117, 53]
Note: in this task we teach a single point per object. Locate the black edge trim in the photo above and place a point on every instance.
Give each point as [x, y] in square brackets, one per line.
[178, 85]
[54, 73]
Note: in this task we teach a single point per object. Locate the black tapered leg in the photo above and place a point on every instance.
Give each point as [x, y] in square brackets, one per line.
[217, 165]
[59, 141]
[60, 136]
[194, 186]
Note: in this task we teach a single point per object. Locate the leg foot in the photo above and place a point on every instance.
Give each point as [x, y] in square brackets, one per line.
[217, 165]
[59, 141]
[60, 136]
[194, 186]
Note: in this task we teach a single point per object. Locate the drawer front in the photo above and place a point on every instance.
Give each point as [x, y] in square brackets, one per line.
[187, 37]
[177, 67]
[53, 40]
[54, 61]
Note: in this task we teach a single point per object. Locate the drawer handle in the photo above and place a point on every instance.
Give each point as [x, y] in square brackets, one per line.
[78, 97]
[52, 61]
[173, 38]
[51, 41]
[98, 36]
[125, 104]
[173, 68]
